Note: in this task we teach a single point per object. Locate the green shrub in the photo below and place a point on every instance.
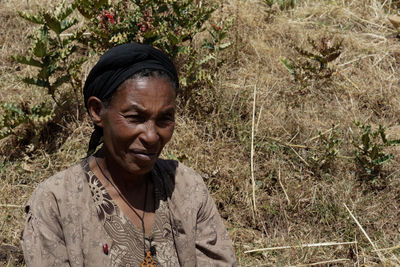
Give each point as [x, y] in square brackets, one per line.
[60, 47]
[52, 54]
[200, 96]
[325, 153]
[164, 24]
[13, 115]
[370, 152]
[313, 65]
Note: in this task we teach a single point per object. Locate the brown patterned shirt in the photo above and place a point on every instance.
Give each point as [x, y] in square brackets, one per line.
[129, 246]
[71, 218]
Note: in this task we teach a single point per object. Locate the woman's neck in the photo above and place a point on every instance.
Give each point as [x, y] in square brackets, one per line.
[126, 182]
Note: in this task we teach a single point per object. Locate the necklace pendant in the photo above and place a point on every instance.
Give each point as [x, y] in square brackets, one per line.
[148, 261]
[153, 250]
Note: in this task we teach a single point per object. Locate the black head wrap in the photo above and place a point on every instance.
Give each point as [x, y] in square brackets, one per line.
[117, 65]
[121, 62]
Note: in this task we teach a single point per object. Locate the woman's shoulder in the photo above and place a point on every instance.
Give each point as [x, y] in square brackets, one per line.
[62, 183]
[180, 180]
[178, 172]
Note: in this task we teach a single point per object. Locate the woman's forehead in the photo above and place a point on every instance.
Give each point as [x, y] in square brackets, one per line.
[145, 91]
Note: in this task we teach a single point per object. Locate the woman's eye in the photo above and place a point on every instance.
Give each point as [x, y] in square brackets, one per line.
[134, 118]
[166, 120]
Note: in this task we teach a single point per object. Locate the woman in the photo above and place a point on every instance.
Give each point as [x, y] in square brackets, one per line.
[123, 206]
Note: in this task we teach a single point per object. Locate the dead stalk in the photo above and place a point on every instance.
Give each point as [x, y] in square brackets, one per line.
[326, 244]
[381, 258]
[352, 83]
[11, 206]
[253, 183]
[286, 144]
[387, 249]
[322, 262]
[283, 188]
[300, 157]
[356, 245]
[259, 117]
[327, 131]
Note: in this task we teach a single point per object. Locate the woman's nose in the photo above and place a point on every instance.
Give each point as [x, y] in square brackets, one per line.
[149, 135]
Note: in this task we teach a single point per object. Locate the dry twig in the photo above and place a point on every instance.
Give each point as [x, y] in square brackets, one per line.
[322, 262]
[301, 158]
[11, 206]
[387, 249]
[283, 188]
[381, 258]
[326, 244]
[253, 182]
[325, 132]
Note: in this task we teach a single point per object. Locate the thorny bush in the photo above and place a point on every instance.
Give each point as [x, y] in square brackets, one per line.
[15, 115]
[312, 66]
[324, 156]
[370, 153]
[60, 46]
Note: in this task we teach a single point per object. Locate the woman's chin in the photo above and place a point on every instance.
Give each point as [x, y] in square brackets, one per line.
[140, 167]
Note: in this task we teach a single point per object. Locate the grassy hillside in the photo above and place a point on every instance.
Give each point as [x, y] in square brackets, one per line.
[289, 137]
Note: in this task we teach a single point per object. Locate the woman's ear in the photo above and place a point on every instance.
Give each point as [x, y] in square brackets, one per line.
[95, 109]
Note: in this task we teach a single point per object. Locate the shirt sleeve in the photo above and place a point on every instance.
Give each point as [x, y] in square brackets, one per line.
[43, 240]
[213, 245]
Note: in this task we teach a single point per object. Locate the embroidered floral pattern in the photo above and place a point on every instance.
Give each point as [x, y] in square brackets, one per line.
[103, 202]
[127, 248]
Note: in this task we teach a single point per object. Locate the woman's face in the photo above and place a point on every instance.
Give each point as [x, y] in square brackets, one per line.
[137, 123]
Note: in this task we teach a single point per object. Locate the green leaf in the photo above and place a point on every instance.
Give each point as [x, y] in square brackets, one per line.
[53, 23]
[383, 160]
[365, 141]
[27, 60]
[66, 24]
[374, 152]
[44, 73]
[40, 48]
[5, 133]
[29, 80]
[382, 133]
[67, 11]
[173, 39]
[40, 113]
[32, 18]
[60, 80]
[99, 3]
[84, 11]
[289, 66]
[181, 49]
[208, 45]
[37, 82]
[393, 142]
[207, 59]
[333, 56]
[150, 35]
[162, 9]
[222, 35]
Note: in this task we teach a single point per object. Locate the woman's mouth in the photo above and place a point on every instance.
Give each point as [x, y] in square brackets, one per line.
[144, 155]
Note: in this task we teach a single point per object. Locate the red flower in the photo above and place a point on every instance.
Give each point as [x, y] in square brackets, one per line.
[143, 26]
[110, 16]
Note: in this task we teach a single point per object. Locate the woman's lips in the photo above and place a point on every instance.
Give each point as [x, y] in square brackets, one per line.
[144, 155]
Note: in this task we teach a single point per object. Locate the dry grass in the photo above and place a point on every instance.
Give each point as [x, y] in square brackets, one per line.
[295, 206]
